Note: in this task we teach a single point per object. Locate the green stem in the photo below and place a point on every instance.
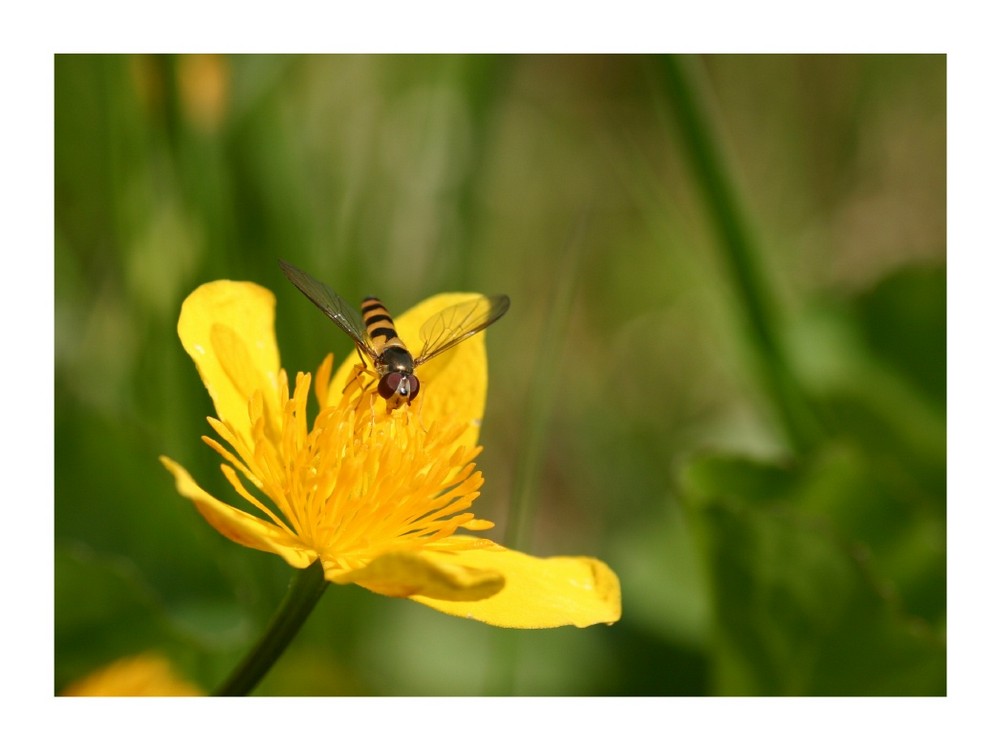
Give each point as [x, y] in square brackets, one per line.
[303, 594]
[683, 83]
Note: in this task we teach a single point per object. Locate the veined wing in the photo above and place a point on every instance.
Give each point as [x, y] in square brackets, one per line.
[335, 307]
[457, 323]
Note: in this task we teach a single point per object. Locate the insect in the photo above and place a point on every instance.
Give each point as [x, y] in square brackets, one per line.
[375, 336]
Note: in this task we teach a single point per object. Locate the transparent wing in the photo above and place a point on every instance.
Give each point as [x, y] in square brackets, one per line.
[457, 323]
[332, 304]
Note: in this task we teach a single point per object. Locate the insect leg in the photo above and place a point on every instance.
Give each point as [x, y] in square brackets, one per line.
[361, 355]
[420, 421]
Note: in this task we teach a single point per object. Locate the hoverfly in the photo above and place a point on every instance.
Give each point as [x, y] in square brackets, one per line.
[375, 336]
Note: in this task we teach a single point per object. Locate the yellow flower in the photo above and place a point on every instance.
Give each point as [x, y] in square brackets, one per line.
[146, 674]
[380, 499]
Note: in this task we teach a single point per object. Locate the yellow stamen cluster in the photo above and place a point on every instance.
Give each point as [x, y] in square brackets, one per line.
[359, 483]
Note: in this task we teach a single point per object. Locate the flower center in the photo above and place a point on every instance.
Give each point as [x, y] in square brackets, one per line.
[359, 482]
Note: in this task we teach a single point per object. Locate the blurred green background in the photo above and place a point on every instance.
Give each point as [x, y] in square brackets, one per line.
[723, 371]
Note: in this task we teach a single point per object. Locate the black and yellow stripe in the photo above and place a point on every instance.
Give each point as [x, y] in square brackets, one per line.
[378, 323]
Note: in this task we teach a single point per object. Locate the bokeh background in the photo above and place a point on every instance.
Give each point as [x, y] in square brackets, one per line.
[723, 371]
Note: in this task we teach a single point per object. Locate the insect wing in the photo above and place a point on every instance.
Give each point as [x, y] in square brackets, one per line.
[332, 304]
[457, 323]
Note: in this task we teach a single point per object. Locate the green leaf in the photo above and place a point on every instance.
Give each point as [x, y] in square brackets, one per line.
[822, 581]
[797, 613]
[904, 319]
[876, 364]
[708, 476]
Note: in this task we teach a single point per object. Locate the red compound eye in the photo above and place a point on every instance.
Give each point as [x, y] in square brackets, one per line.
[401, 385]
[388, 384]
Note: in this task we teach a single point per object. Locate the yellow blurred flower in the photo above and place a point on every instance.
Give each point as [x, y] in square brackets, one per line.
[203, 83]
[147, 674]
[380, 499]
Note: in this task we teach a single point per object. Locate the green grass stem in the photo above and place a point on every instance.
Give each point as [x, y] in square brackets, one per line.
[686, 87]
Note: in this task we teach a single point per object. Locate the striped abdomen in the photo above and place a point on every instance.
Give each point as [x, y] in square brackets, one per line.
[378, 322]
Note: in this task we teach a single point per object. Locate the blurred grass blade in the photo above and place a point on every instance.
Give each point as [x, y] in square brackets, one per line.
[540, 400]
[524, 495]
[685, 85]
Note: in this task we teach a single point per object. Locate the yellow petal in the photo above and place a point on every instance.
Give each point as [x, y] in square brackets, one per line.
[453, 384]
[539, 592]
[237, 525]
[147, 674]
[405, 574]
[228, 330]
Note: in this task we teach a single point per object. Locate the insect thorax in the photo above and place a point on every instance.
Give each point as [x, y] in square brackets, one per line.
[395, 359]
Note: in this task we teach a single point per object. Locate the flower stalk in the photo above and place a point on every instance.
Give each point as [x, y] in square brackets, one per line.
[303, 594]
